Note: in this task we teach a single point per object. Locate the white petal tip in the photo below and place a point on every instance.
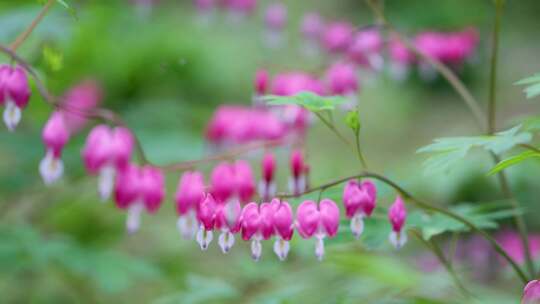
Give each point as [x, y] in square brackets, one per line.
[12, 116]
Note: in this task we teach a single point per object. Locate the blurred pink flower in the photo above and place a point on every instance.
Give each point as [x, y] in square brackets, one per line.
[14, 93]
[510, 241]
[55, 135]
[78, 101]
[189, 193]
[267, 185]
[365, 49]
[106, 152]
[338, 37]
[359, 200]
[397, 214]
[298, 179]
[531, 293]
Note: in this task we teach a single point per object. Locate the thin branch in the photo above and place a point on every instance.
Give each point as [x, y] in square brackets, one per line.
[423, 205]
[446, 72]
[24, 35]
[530, 147]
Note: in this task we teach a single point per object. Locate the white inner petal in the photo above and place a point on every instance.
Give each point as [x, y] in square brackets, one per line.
[106, 182]
[398, 239]
[357, 225]
[204, 237]
[376, 61]
[133, 221]
[256, 249]
[226, 241]
[51, 168]
[187, 225]
[281, 248]
[319, 246]
[12, 115]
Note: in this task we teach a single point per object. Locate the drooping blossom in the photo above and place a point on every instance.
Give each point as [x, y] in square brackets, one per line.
[359, 200]
[189, 194]
[231, 125]
[283, 221]
[275, 19]
[365, 49]
[232, 181]
[206, 216]
[55, 136]
[320, 221]
[337, 37]
[401, 59]
[311, 30]
[239, 9]
[267, 185]
[228, 221]
[80, 99]
[298, 179]
[343, 80]
[511, 242]
[261, 84]
[531, 293]
[107, 151]
[397, 214]
[137, 189]
[14, 93]
[257, 225]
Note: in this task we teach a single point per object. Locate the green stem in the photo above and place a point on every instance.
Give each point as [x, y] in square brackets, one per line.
[333, 128]
[359, 151]
[492, 98]
[437, 251]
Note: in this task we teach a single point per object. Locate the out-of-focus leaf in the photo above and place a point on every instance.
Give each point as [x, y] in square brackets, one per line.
[201, 290]
[309, 100]
[533, 88]
[448, 151]
[53, 58]
[514, 160]
[484, 217]
[352, 119]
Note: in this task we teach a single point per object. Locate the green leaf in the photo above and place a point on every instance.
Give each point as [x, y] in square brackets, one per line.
[309, 100]
[352, 119]
[53, 58]
[533, 89]
[516, 159]
[448, 151]
[70, 9]
[482, 216]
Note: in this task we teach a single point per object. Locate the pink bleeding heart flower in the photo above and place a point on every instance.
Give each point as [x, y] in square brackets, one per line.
[206, 216]
[245, 183]
[239, 9]
[342, 79]
[204, 6]
[228, 221]
[401, 58]
[55, 136]
[137, 189]
[298, 180]
[261, 84]
[397, 214]
[338, 36]
[319, 221]
[283, 220]
[106, 152]
[189, 194]
[365, 49]
[222, 181]
[14, 94]
[312, 26]
[276, 16]
[531, 293]
[257, 225]
[359, 200]
[80, 99]
[267, 186]
[152, 188]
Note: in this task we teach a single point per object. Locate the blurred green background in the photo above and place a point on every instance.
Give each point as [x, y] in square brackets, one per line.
[165, 74]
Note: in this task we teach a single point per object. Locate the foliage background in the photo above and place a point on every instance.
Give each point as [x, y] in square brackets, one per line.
[166, 75]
